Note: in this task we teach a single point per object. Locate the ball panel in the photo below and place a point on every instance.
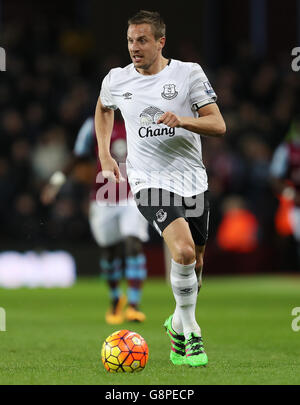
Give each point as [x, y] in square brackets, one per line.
[114, 343]
[112, 366]
[136, 340]
[135, 365]
[123, 356]
[137, 356]
[128, 360]
[123, 332]
[123, 346]
[143, 361]
[130, 344]
[138, 349]
[115, 351]
[127, 369]
[113, 360]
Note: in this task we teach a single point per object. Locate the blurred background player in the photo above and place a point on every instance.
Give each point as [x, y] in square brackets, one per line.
[116, 224]
[285, 178]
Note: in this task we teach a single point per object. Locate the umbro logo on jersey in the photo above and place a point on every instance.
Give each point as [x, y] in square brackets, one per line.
[169, 91]
[127, 96]
[137, 182]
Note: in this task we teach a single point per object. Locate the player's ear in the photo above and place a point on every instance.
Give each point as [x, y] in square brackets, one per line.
[162, 42]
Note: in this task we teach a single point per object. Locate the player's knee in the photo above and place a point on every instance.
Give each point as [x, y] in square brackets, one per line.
[133, 246]
[107, 253]
[111, 252]
[184, 253]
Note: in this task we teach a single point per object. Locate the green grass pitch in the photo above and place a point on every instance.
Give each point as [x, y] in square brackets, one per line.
[55, 336]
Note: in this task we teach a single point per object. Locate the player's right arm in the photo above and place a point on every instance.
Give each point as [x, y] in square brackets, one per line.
[104, 122]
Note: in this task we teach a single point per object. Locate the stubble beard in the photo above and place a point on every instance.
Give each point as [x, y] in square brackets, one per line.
[145, 66]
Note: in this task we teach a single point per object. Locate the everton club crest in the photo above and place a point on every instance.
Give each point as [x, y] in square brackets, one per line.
[169, 91]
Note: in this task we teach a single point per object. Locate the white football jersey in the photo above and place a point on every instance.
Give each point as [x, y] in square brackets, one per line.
[159, 156]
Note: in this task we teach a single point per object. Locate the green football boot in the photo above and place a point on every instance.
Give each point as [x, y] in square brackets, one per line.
[177, 353]
[194, 351]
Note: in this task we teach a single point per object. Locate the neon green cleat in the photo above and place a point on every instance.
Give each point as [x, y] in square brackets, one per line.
[194, 351]
[177, 353]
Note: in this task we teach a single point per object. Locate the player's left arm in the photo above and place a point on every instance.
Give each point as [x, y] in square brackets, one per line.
[209, 121]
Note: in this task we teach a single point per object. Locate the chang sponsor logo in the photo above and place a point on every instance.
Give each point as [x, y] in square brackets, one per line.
[146, 132]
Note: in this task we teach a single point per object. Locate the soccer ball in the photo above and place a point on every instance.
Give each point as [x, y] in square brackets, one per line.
[124, 352]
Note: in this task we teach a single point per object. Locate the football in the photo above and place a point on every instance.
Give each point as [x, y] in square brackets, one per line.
[124, 352]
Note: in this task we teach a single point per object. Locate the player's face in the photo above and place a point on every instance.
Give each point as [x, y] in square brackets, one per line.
[143, 48]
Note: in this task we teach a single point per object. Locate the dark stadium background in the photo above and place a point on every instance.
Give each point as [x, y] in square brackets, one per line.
[57, 55]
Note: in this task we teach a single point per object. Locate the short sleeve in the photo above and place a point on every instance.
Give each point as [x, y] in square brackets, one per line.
[105, 95]
[200, 89]
[85, 139]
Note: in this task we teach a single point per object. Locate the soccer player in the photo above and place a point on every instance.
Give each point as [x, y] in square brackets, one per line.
[166, 105]
[119, 229]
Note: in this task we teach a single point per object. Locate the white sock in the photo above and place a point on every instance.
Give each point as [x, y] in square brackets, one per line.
[176, 321]
[185, 287]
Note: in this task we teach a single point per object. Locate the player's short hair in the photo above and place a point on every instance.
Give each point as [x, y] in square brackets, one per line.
[150, 17]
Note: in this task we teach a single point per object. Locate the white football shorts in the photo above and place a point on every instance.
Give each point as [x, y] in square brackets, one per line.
[111, 224]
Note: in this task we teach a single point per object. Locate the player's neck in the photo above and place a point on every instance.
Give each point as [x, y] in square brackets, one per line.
[156, 67]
